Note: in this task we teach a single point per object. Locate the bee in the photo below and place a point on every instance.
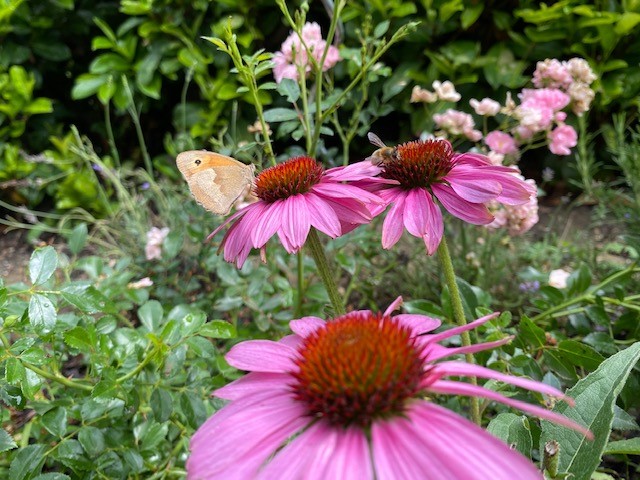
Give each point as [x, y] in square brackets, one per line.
[382, 154]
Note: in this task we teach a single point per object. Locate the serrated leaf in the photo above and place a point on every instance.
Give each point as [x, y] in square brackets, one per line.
[105, 390]
[193, 409]
[218, 329]
[14, 371]
[43, 263]
[81, 339]
[192, 322]
[630, 446]
[27, 462]
[579, 280]
[513, 430]
[42, 313]
[55, 421]
[88, 299]
[595, 396]
[6, 441]
[531, 334]
[153, 435]
[579, 354]
[92, 440]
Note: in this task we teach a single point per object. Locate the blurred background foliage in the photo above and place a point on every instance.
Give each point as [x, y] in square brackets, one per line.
[136, 77]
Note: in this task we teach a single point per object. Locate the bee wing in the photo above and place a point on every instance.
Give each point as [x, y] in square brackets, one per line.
[375, 140]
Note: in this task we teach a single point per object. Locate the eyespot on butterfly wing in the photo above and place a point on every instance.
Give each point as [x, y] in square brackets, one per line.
[216, 181]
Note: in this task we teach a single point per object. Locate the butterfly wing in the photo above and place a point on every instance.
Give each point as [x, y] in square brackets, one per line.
[217, 189]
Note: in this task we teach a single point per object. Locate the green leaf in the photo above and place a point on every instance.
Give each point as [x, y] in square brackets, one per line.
[514, 430]
[87, 84]
[55, 421]
[193, 409]
[27, 462]
[6, 441]
[105, 390]
[630, 446]
[192, 322]
[153, 435]
[289, 89]
[92, 440]
[470, 14]
[218, 329]
[280, 115]
[161, 404]
[381, 29]
[42, 313]
[88, 299]
[83, 339]
[39, 105]
[14, 371]
[43, 263]
[531, 334]
[150, 314]
[78, 238]
[52, 476]
[579, 280]
[595, 396]
[579, 354]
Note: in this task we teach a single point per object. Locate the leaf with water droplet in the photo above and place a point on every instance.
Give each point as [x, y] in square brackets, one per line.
[42, 314]
[43, 263]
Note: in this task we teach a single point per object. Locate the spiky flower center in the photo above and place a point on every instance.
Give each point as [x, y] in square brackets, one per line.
[358, 368]
[296, 175]
[420, 163]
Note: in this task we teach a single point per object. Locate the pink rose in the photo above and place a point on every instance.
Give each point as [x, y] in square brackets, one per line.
[501, 142]
[562, 139]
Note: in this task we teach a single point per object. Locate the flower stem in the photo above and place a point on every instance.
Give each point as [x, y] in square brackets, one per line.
[315, 247]
[458, 314]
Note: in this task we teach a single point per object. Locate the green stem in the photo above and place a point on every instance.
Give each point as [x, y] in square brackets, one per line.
[139, 368]
[315, 247]
[300, 280]
[458, 314]
[135, 117]
[58, 378]
[110, 136]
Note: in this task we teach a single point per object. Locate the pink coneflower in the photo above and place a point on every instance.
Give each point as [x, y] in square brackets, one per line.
[351, 398]
[463, 183]
[293, 197]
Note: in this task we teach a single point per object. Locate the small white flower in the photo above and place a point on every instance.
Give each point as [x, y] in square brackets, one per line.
[558, 278]
[446, 91]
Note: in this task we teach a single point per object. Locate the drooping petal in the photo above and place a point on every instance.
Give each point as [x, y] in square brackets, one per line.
[248, 430]
[473, 186]
[476, 347]
[322, 452]
[467, 369]
[466, 450]
[476, 213]
[395, 305]
[393, 223]
[459, 388]
[267, 224]
[435, 227]
[322, 216]
[416, 212]
[296, 223]
[262, 356]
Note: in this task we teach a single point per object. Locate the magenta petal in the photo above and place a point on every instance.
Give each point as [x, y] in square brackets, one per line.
[393, 223]
[296, 223]
[267, 224]
[457, 330]
[476, 347]
[457, 369]
[247, 430]
[262, 356]
[305, 326]
[459, 388]
[473, 186]
[419, 324]
[395, 305]
[253, 383]
[462, 449]
[322, 216]
[416, 212]
[476, 213]
[435, 227]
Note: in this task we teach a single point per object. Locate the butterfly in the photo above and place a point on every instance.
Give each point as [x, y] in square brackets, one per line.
[216, 181]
